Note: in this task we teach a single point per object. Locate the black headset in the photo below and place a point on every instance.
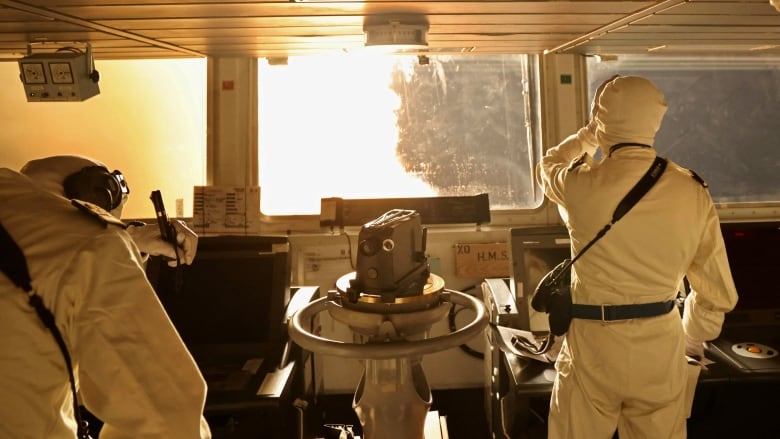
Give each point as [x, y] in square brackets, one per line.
[97, 185]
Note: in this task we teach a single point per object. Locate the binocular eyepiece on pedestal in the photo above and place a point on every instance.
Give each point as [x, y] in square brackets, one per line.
[391, 259]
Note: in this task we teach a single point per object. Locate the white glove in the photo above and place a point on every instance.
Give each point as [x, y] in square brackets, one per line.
[187, 240]
[694, 348]
[149, 241]
[595, 104]
[587, 133]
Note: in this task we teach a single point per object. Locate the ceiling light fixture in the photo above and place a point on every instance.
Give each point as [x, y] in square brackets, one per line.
[396, 35]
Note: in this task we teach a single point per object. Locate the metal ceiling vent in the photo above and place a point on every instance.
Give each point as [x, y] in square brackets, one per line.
[396, 34]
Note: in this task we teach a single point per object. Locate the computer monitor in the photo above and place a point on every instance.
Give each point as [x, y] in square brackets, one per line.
[232, 298]
[753, 250]
[534, 252]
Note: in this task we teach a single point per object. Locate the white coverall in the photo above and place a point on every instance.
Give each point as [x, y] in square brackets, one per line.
[133, 371]
[630, 375]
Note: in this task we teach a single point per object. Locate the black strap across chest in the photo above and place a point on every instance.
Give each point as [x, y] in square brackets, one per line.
[631, 311]
[632, 197]
[14, 265]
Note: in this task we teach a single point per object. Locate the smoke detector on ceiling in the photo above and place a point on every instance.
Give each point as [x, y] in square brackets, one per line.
[396, 34]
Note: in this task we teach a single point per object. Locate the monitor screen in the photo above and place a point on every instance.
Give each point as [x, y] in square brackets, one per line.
[753, 249]
[534, 252]
[233, 294]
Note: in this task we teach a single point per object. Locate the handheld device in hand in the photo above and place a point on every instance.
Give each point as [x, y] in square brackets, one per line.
[166, 228]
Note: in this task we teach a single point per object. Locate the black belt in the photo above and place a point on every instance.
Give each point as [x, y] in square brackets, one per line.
[621, 312]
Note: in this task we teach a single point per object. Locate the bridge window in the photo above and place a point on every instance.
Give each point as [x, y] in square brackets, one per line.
[362, 126]
[722, 118]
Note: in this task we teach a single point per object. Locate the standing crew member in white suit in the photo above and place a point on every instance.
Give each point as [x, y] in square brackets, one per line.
[630, 374]
[131, 368]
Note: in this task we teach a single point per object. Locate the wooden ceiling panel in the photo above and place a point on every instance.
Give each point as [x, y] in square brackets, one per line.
[304, 9]
[118, 29]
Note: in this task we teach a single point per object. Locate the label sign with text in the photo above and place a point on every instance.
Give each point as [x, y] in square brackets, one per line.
[482, 260]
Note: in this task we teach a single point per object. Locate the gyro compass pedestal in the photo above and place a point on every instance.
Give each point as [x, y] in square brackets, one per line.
[390, 337]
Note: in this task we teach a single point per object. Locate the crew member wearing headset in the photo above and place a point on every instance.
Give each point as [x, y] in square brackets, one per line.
[93, 183]
[629, 374]
[131, 368]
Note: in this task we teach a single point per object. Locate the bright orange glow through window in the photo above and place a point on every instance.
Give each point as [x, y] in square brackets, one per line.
[389, 126]
[334, 140]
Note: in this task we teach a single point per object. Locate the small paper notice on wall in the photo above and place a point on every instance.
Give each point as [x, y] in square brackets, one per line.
[226, 210]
